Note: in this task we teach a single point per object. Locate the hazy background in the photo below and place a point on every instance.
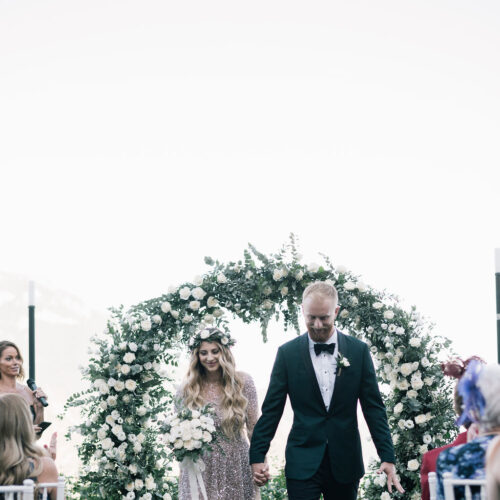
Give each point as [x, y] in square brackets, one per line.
[138, 137]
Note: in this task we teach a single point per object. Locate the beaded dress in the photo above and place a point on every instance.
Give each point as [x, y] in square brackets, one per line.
[228, 475]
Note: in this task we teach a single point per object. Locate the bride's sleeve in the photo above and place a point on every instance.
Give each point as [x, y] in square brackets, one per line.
[250, 393]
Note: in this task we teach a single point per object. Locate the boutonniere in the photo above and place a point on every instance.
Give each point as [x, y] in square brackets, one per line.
[342, 362]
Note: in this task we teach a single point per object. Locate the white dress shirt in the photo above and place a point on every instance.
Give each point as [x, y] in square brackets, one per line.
[325, 367]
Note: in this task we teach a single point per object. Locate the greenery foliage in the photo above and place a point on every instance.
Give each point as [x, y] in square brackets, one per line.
[121, 453]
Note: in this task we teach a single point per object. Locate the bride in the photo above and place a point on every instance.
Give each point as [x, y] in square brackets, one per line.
[212, 378]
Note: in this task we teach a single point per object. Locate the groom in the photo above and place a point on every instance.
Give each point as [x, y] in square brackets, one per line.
[324, 373]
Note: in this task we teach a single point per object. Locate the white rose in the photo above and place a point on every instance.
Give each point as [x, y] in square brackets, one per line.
[101, 433]
[125, 369]
[208, 318]
[184, 293]
[198, 293]
[175, 314]
[344, 313]
[218, 313]
[409, 424]
[267, 304]
[377, 305]
[428, 380]
[341, 269]
[370, 330]
[284, 291]
[221, 278]
[413, 465]
[406, 369]
[412, 394]
[166, 307]
[277, 274]
[354, 300]
[383, 326]
[403, 385]
[361, 286]
[395, 438]
[141, 411]
[427, 439]
[420, 419]
[415, 342]
[423, 449]
[107, 444]
[417, 384]
[132, 346]
[138, 484]
[400, 330]
[385, 495]
[392, 328]
[111, 382]
[150, 483]
[425, 362]
[194, 305]
[130, 487]
[103, 405]
[398, 408]
[137, 447]
[187, 319]
[156, 319]
[112, 400]
[122, 346]
[267, 290]
[224, 340]
[313, 267]
[132, 468]
[146, 325]
[212, 302]
[401, 424]
[130, 384]
[129, 357]
[388, 314]
[248, 275]
[349, 285]
[167, 496]
[299, 275]
[119, 386]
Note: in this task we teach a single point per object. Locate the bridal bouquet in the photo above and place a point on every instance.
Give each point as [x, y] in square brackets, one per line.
[190, 434]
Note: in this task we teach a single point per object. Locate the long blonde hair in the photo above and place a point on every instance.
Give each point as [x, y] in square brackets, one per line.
[19, 455]
[234, 403]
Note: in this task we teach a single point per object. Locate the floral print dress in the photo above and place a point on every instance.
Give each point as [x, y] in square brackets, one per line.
[465, 462]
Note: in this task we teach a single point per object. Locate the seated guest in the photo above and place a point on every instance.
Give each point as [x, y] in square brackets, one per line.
[480, 391]
[20, 457]
[455, 369]
[493, 469]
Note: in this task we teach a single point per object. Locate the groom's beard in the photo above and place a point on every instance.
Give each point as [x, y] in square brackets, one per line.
[320, 334]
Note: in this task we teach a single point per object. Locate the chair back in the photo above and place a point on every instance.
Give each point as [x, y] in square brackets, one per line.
[23, 491]
[42, 489]
[450, 482]
[432, 479]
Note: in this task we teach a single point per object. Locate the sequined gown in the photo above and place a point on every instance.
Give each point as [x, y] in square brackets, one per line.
[228, 475]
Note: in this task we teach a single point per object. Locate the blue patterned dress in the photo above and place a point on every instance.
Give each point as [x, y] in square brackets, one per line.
[465, 462]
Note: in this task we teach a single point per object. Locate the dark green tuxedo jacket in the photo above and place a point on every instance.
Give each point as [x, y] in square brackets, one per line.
[313, 427]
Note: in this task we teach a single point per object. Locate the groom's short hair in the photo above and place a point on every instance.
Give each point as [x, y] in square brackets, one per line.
[321, 288]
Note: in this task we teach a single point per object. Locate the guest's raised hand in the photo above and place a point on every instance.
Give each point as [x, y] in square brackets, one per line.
[392, 478]
[52, 448]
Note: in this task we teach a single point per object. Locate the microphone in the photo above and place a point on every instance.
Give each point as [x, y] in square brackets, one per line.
[31, 384]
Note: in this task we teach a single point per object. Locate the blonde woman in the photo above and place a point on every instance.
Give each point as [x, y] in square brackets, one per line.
[20, 457]
[212, 378]
[11, 371]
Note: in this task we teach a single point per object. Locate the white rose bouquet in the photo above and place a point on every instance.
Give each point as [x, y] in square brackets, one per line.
[190, 435]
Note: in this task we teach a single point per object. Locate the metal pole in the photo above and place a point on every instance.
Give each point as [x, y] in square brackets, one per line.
[497, 280]
[31, 319]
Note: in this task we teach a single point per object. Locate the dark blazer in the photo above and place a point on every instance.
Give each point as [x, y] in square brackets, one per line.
[313, 427]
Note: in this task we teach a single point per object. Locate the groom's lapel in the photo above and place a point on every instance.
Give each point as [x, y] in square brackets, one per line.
[311, 375]
[340, 385]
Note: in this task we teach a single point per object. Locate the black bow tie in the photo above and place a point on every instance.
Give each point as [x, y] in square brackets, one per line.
[319, 348]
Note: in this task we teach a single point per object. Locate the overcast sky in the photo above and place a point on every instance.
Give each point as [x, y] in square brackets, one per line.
[138, 137]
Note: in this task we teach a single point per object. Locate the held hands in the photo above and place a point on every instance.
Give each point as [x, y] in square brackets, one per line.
[260, 474]
[392, 479]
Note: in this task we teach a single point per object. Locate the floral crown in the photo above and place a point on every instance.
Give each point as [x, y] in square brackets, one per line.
[211, 334]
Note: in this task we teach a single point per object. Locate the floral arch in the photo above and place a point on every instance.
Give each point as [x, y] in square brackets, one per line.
[122, 453]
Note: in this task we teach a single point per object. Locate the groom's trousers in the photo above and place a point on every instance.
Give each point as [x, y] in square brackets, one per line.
[321, 482]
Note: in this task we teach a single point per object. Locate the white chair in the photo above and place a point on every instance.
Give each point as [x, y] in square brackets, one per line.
[23, 491]
[43, 487]
[432, 479]
[450, 482]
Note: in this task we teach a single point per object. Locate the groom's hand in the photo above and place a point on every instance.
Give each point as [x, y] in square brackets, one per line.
[392, 479]
[260, 474]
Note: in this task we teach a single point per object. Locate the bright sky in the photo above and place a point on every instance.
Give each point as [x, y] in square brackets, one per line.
[138, 137]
